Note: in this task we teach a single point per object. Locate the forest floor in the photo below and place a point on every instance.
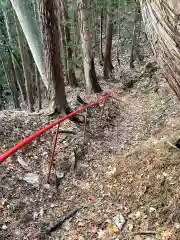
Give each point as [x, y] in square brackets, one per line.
[124, 179]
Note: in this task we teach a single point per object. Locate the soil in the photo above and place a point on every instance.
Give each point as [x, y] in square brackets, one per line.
[126, 166]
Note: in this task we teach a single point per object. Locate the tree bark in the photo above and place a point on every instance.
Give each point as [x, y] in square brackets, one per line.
[71, 74]
[11, 85]
[15, 72]
[26, 69]
[134, 50]
[88, 60]
[9, 70]
[50, 31]
[162, 21]
[2, 99]
[94, 20]
[63, 43]
[31, 32]
[76, 34]
[38, 87]
[108, 67]
[101, 57]
[119, 32]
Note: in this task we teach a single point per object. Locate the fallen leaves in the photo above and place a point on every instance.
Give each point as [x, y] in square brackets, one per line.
[113, 229]
[2, 204]
[93, 198]
[139, 214]
[165, 233]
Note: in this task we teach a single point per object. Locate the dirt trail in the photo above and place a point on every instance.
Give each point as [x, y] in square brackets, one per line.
[143, 113]
[106, 182]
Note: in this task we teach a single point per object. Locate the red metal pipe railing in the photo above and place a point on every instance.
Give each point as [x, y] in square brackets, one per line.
[21, 144]
[53, 151]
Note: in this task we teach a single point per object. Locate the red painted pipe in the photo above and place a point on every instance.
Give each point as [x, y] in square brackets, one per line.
[14, 149]
[53, 151]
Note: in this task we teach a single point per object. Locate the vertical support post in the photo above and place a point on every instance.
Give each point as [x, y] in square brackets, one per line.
[102, 112]
[85, 122]
[52, 154]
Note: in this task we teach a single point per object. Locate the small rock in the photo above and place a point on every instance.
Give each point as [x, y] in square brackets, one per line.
[151, 209]
[60, 174]
[47, 186]
[164, 174]
[32, 178]
[177, 225]
[4, 227]
[119, 221]
[45, 154]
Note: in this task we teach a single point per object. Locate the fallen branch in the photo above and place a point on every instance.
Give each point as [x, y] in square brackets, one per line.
[61, 220]
[67, 132]
[145, 233]
[81, 101]
[172, 145]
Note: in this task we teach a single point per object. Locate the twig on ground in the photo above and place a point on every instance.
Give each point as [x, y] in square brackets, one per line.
[67, 132]
[81, 101]
[145, 233]
[172, 145]
[77, 119]
[61, 220]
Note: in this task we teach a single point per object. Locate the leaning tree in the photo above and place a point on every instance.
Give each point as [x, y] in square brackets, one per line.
[162, 25]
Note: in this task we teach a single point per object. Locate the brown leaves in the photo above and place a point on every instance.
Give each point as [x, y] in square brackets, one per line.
[113, 229]
[1, 204]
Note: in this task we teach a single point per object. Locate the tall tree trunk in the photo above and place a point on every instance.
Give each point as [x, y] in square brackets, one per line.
[11, 84]
[94, 26]
[37, 75]
[101, 57]
[38, 86]
[2, 99]
[26, 68]
[63, 43]
[162, 20]
[108, 67]
[9, 70]
[134, 48]
[76, 35]
[31, 32]
[15, 72]
[71, 73]
[50, 31]
[119, 32]
[89, 69]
